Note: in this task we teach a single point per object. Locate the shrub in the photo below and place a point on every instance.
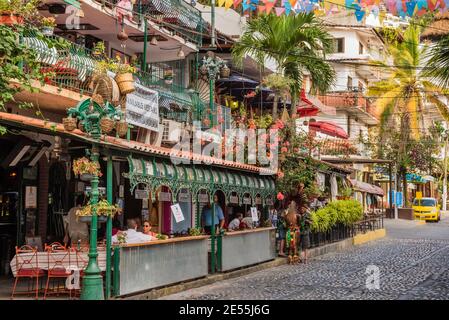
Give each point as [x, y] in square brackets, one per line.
[346, 212]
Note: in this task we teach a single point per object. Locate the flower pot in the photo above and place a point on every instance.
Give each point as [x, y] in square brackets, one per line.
[88, 219]
[86, 177]
[69, 123]
[125, 82]
[48, 31]
[9, 19]
[121, 128]
[106, 125]
[225, 72]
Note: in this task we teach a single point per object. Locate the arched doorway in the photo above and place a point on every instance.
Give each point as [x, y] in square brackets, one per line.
[57, 202]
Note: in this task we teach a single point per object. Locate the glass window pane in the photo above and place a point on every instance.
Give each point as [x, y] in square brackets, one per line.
[137, 164]
[149, 168]
[190, 174]
[160, 169]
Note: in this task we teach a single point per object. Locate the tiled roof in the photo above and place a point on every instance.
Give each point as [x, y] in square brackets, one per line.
[337, 147]
[130, 145]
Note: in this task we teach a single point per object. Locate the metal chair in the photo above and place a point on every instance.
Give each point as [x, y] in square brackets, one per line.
[58, 257]
[27, 266]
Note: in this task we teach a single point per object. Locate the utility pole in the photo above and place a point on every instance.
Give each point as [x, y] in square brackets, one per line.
[212, 23]
[445, 172]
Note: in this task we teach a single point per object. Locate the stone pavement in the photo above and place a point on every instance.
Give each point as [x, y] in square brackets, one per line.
[413, 263]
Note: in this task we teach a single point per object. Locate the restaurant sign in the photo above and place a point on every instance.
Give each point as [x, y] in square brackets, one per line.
[258, 200]
[142, 108]
[203, 197]
[234, 199]
[165, 196]
[269, 202]
[184, 197]
[246, 200]
[142, 194]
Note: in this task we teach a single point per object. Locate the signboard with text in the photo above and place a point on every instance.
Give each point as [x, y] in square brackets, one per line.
[142, 108]
[142, 194]
[254, 215]
[165, 196]
[203, 197]
[177, 213]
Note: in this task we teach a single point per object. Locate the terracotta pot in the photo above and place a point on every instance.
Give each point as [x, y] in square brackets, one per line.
[9, 19]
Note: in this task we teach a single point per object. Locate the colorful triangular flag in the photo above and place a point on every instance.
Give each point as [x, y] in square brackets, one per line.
[279, 10]
[288, 7]
[410, 7]
[269, 5]
[228, 3]
[236, 3]
[221, 3]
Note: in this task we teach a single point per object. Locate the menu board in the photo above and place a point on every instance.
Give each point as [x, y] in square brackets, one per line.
[254, 215]
[177, 213]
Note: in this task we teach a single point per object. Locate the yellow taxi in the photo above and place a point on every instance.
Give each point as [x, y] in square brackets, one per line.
[426, 209]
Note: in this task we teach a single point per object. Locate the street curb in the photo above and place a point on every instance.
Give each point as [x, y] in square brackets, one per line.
[369, 236]
[420, 222]
[210, 279]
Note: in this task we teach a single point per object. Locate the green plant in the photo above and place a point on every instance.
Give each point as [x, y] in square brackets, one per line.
[24, 8]
[99, 48]
[48, 22]
[161, 236]
[346, 192]
[195, 232]
[85, 166]
[322, 219]
[103, 207]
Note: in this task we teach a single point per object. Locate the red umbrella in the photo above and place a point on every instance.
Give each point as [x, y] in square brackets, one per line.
[307, 111]
[329, 128]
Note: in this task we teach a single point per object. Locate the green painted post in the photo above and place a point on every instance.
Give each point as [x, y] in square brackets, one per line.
[145, 43]
[116, 283]
[219, 249]
[211, 99]
[212, 239]
[108, 228]
[93, 281]
[198, 214]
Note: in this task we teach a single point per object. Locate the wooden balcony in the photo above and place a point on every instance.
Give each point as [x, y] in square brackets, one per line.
[353, 102]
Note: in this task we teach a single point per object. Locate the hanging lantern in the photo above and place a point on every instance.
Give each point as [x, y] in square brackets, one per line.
[122, 36]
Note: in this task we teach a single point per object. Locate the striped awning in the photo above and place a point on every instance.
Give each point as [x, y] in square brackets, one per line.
[84, 65]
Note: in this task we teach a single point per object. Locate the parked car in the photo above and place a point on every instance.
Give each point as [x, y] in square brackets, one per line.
[426, 209]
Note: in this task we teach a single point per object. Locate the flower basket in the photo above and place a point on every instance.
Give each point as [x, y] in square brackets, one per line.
[69, 123]
[84, 166]
[88, 219]
[9, 19]
[121, 128]
[86, 177]
[107, 125]
[125, 82]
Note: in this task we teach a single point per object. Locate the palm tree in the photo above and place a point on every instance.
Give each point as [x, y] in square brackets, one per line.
[439, 62]
[402, 97]
[297, 43]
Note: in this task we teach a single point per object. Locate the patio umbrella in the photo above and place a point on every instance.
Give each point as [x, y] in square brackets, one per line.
[329, 128]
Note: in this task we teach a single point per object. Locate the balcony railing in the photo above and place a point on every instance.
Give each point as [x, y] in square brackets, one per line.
[348, 99]
[174, 15]
[73, 66]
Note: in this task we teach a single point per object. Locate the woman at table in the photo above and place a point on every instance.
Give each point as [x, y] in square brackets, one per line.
[147, 229]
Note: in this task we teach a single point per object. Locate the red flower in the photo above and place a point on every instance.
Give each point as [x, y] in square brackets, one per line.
[280, 174]
[280, 196]
[284, 149]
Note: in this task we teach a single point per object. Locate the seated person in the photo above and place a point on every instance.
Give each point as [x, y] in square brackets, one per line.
[235, 223]
[247, 222]
[147, 229]
[132, 235]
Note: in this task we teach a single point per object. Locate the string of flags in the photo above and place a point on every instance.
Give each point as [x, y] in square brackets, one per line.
[361, 8]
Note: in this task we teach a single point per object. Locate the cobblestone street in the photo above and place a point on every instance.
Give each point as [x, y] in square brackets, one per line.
[413, 261]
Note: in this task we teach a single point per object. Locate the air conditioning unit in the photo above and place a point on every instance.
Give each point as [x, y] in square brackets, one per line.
[171, 131]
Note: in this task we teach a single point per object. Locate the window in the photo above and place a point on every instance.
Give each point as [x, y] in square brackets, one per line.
[360, 48]
[349, 83]
[339, 45]
[424, 202]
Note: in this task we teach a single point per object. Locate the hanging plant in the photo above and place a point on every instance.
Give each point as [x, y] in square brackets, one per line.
[85, 166]
[103, 208]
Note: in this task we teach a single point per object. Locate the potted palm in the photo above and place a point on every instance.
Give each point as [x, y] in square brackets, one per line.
[48, 25]
[86, 169]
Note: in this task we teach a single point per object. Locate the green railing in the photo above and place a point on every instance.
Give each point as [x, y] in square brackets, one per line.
[177, 16]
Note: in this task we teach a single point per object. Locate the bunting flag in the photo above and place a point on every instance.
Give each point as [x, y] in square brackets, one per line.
[236, 3]
[288, 7]
[221, 3]
[261, 9]
[422, 4]
[228, 3]
[359, 14]
[293, 2]
[279, 10]
[245, 5]
[269, 4]
[411, 7]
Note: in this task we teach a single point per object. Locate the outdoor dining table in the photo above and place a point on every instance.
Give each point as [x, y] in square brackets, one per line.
[68, 262]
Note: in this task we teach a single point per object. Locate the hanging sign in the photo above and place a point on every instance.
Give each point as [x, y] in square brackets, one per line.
[234, 199]
[254, 215]
[184, 197]
[269, 201]
[203, 197]
[177, 213]
[142, 108]
[30, 197]
[258, 200]
[141, 194]
[165, 196]
[246, 200]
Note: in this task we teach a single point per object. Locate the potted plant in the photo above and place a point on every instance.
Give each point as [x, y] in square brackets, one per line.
[168, 76]
[86, 168]
[345, 194]
[48, 25]
[106, 125]
[15, 11]
[124, 75]
[103, 209]
[69, 123]
[99, 49]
